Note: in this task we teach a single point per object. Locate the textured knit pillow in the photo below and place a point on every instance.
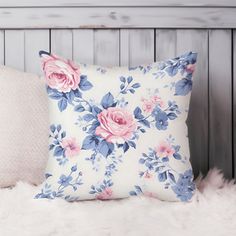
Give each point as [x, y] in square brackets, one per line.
[23, 127]
[118, 132]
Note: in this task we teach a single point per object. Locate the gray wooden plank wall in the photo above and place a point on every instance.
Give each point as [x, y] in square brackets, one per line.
[213, 104]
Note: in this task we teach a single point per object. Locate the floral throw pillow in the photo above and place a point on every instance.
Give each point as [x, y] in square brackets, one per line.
[118, 132]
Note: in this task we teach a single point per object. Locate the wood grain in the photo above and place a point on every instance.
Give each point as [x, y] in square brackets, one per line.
[220, 95]
[106, 47]
[83, 45]
[63, 3]
[62, 43]
[118, 17]
[166, 41]
[35, 40]
[137, 47]
[15, 49]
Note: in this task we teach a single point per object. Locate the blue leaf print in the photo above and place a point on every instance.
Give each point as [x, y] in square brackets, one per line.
[56, 96]
[172, 116]
[88, 117]
[138, 113]
[79, 108]
[137, 191]
[77, 93]
[89, 142]
[107, 100]
[58, 128]
[177, 156]
[172, 70]
[145, 123]
[58, 151]
[122, 79]
[136, 85]
[132, 144]
[62, 104]
[171, 176]
[53, 128]
[183, 87]
[105, 148]
[96, 110]
[129, 79]
[162, 177]
[125, 147]
[74, 168]
[132, 193]
[84, 84]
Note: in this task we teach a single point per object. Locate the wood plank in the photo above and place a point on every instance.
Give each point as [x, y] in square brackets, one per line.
[2, 50]
[234, 102]
[35, 40]
[106, 47]
[83, 46]
[63, 3]
[197, 40]
[165, 44]
[124, 47]
[119, 17]
[15, 49]
[62, 43]
[220, 98]
[137, 47]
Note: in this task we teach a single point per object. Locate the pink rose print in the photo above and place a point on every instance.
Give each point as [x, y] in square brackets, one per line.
[60, 74]
[105, 194]
[157, 101]
[71, 147]
[116, 125]
[147, 175]
[190, 68]
[149, 194]
[164, 149]
[148, 106]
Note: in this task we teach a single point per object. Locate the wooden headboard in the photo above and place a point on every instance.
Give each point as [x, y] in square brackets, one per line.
[128, 32]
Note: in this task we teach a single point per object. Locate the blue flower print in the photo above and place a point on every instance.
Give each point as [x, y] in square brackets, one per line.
[73, 180]
[156, 161]
[158, 115]
[161, 119]
[64, 180]
[184, 187]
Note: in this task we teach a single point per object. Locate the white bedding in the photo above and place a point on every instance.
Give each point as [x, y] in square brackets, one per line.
[212, 212]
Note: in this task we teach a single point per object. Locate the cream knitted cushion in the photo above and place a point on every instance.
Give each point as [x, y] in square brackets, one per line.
[23, 127]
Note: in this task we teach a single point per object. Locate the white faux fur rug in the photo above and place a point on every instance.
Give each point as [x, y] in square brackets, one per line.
[212, 212]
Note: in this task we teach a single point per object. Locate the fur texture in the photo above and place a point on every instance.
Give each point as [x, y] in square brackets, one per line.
[212, 212]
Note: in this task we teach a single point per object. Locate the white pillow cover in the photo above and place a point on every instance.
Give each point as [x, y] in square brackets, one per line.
[118, 132]
[23, 127]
